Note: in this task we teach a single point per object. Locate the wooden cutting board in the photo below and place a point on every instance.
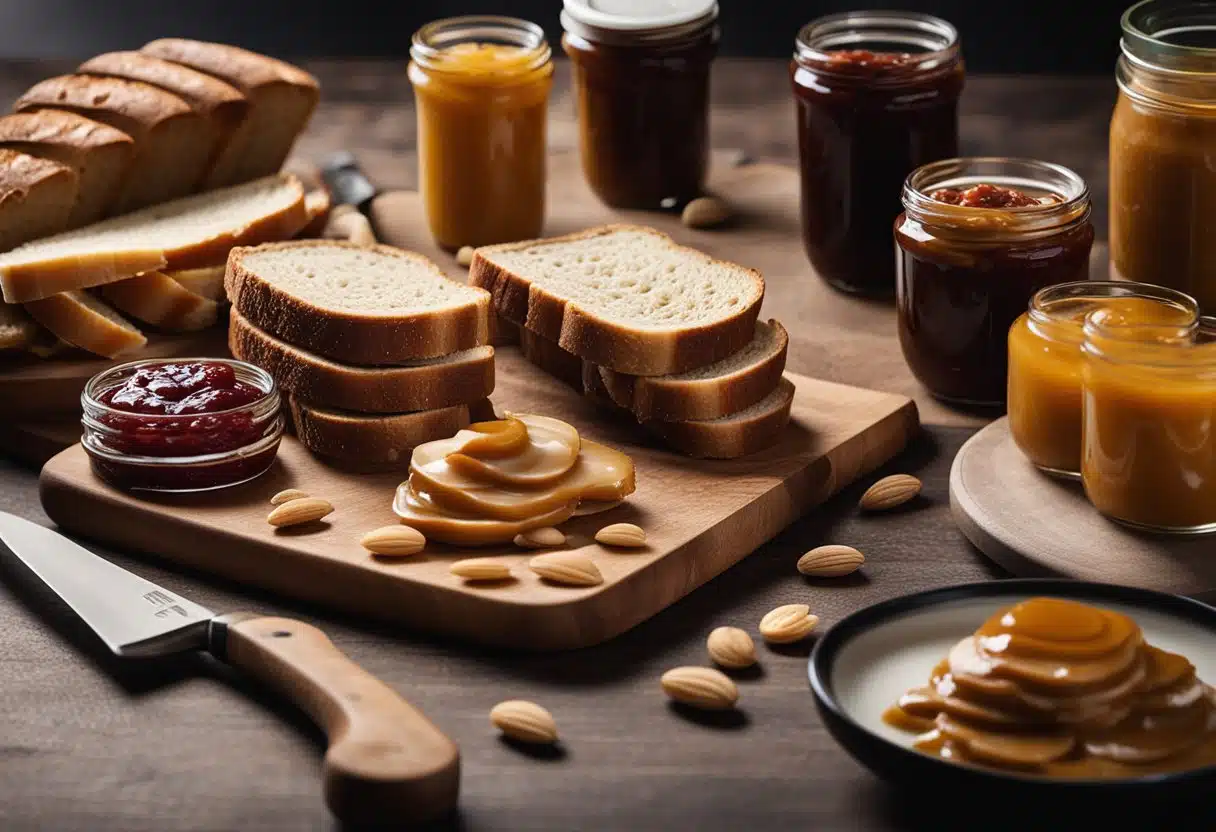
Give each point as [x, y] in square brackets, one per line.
[700, 517]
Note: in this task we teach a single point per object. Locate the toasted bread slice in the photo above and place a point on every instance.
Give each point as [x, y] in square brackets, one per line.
[86, 322]
[159, 300]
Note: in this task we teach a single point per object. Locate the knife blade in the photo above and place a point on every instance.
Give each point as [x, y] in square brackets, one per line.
[385, 760]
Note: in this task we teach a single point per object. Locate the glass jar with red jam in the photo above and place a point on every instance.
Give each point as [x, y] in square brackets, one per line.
[181, 425]
[977, 239]
[877, 97]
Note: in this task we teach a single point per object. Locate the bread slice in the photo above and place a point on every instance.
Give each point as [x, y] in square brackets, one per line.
[317, 204]
[458, 378]
[281, 100]
[364, 442]
[222, 106]
[557, 362]
[172, 142]
[355, 304]
[159, 300]
[17, 329]
[207, 281]
[36, 197]
[86, 322]
[624, 297]
[100, 154]
[739, 434]
[727, 386]
[192, 231]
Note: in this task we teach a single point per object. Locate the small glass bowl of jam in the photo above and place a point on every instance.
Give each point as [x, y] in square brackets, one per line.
[181, 425]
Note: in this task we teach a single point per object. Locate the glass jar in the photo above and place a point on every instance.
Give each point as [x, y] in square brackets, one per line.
[481, 86]
[1149, 439]
[1045, 360]
[965, 273]
[641, 80]
[877, 97]
[1162, 135]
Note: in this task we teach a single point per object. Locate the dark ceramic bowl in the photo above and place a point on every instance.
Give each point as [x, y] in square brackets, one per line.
[864, 663]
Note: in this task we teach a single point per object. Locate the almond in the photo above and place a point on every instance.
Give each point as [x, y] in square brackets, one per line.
[700, 687]
[569, 568]
[524, 721]
[287, 496]
[833, 561]
[546, 538]
[481, 569]
[705, 212]
[394, 541]
[625, 535]
[300, 510]
[731, 647]
[464, 257]
[788, 623]
[890, 492]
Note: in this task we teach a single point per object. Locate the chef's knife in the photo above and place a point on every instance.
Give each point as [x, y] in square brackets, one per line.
[385, 762]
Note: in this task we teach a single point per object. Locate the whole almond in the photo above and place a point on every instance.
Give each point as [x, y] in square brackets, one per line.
[731, 647]
[287, 496]
[300, 510]
[569, 568]
[700, 687]
[890, 492]
[394, 541]
[464, 257]
[481, 569]
[546, 538]
[625, 535]
[705, 212]
[832, 561]
[524, 721]
[788, 623]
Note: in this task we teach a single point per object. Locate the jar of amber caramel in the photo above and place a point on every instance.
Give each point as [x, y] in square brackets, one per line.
[641, 79]
[978, 237]
[1162, 138]
[877, 97]
[482, 90]
[1149, 439]
[1045, 360]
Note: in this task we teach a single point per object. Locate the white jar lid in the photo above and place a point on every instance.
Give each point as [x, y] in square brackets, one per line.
[636, 15]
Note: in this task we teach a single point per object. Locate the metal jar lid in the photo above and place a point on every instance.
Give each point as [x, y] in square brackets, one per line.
[619, 20]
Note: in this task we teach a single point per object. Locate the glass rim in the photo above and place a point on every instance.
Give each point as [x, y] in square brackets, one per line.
[1055, 327]
[937, 38]
[93, 407]
[477, 28]
[1152, 49]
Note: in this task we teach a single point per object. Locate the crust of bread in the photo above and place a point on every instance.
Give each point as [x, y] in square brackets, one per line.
[466, 378]
[74, 322]
[729, 438]
[565, 366]
[157, 299]
[317, 203]
[603, 342]
[36, 197]
[350, 337]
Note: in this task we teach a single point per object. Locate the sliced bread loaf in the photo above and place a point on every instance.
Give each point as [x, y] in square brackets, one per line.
[460, 378]
[547, 355]
[86, 322]
[159, 300]
[356, 304]
[100, 155]
[192, 231]
[17, 328]
[36, 197]
[207, 281]
[624, 297]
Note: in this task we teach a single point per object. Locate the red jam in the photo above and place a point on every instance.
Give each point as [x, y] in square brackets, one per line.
[988, 196]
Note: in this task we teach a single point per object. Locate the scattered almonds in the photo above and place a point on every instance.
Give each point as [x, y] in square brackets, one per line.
[788, 623]
[570, 568]
[464, 257]
[833, 561]
[705, 212]
[300, 510]
[395, 541]
[700, 687]
[481, 569]
[524, 721]
[287, 496]
[621, 534]
[731, 647]
[546, 538]
[890, 492]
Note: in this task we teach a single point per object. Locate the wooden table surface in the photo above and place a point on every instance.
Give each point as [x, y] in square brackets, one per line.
[91, 743]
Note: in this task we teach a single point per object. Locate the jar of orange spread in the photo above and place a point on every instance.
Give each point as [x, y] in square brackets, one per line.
[1149, 444]
[482, 90]
[1044, 396]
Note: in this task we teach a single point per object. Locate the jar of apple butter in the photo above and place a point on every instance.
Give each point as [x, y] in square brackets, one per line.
[977, 239]
[877, 97]
[1162, 137]
[641, 80]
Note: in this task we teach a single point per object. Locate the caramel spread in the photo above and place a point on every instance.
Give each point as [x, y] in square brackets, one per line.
[1062, 689]
[495, 480]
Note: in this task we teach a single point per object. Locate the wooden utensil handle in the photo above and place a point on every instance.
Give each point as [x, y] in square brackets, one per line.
[386, 761]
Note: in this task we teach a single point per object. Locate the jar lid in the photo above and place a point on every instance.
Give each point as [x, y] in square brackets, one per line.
[636, 15]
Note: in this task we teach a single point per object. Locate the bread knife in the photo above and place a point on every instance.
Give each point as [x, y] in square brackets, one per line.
[347, 183]
[385, 760]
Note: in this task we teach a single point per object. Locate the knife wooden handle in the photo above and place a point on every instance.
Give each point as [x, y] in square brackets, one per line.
[386, 761]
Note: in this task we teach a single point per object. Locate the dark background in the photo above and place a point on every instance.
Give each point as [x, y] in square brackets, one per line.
[1002, 36]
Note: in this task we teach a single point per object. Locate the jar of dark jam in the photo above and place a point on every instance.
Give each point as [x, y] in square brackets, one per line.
[181, 425]
[641, 78]
[977, 239]
[877, 97]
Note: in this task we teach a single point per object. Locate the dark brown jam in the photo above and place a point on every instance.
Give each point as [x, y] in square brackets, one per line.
[988, 196]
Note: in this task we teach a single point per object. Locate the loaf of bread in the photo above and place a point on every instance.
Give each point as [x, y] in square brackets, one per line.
[36, 197]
